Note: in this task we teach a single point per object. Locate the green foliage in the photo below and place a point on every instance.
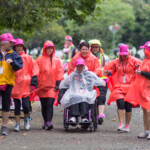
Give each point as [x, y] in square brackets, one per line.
[97, 26]
[28, 15]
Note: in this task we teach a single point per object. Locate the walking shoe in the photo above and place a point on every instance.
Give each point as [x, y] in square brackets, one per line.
[120, 128]
[126, 129]
[44, 125]
[143, 135]
[85, 120]
[17, 127]
[27, 124]
[72, 119]
[49, 126]
[148, 137]
[4, 130]
[101, 119]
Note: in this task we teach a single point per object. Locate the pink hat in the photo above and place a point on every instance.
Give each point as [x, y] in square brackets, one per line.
[48, 45]
[7, 37]
[95, 45]
[80, 61]
[124, 49]
[68, 38]
[18, 41]
[146, 46]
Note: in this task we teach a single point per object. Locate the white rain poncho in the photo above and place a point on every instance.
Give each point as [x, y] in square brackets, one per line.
[80, 87]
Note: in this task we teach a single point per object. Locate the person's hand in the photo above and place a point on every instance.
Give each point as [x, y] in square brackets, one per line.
[9, 61]
[137, 65]
[138, 72]
[106, 72]
[56, 88]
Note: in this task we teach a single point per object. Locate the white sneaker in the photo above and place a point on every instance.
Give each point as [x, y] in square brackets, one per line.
[72, 119]
[120, 128]
[148, 137]
[143, 135]
[27, 124]
[17, 128]
[85, 120]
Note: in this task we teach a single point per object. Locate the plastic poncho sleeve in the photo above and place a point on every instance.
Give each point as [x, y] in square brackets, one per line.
[71, 66]
[60, 71]
[111, 67]
[97, 68]
[17, 62]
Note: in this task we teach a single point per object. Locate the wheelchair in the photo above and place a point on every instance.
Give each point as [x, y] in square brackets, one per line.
[91, 125]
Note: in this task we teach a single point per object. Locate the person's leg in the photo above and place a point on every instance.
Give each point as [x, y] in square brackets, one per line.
[5, 108]
[128, 108]
[49, 113]
[146, 128]
[26, 109]
[17, 114]
[121, 112]
[84, 110]
[148, 123]
[43, 108]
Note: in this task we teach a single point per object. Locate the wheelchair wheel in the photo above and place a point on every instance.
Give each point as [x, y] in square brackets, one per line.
[93, 115]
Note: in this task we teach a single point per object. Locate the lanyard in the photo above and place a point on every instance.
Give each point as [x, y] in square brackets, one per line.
[124, 69]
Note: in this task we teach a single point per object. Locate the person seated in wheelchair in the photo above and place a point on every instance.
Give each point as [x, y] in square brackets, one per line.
[77, 91]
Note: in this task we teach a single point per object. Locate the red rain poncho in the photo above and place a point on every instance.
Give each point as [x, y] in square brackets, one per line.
[117, 87]
[139, 93]
[91, 63]
[49, 73]
[23, 77]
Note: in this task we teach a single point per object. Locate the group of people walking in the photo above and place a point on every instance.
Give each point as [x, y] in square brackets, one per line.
[127, 77]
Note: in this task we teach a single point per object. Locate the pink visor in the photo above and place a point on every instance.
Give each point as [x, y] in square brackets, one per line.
[49, 45]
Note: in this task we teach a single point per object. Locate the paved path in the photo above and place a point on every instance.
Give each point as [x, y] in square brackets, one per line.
[106, 138]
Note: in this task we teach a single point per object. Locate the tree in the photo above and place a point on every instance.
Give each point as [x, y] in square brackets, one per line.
[97, 26]
[27, 15]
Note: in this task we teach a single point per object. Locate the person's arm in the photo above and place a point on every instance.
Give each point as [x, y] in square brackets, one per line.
[17, 62]
[145, 74]
[97, 68]
[71, 66]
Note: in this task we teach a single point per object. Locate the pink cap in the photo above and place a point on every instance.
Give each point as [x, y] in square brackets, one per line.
[95, 45]
[80, 61]
[18, 41]
[68, 38]
[146, 46]
[7, 37]
[48, 45]
[124, 49]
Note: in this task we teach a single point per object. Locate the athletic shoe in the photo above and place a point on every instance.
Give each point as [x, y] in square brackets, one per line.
[27, 124]
[126, 129]
[17, 127]
[44, 125]
[120, 128]
[143, 135]
[4, 130]
[85, 120]
[101, 119]
[49, 126]
[148, 137]
[72, 119]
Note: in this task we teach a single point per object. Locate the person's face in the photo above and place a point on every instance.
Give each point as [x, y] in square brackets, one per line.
[19, 48]
[80, 68]
[95, 49]
[68, 43]
[49, 50]
[84, 51]
[7, 46]
[123, 57]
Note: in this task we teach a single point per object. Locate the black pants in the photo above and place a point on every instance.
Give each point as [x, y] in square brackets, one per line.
[81, 109]
[102, 98]
[47, 108]
[121, 104]
[6, 98]
[25, 105]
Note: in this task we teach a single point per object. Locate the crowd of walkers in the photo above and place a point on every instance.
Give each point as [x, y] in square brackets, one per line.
[90, 74]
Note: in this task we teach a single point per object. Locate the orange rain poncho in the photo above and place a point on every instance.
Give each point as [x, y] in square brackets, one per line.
[23, 77]
[139, 93]
[91, 62]
[117, 87]
[49, 73]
